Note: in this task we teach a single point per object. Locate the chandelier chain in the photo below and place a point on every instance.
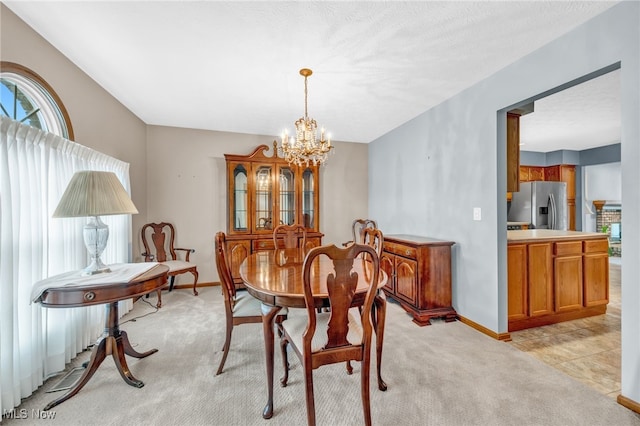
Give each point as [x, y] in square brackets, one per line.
[306, 116]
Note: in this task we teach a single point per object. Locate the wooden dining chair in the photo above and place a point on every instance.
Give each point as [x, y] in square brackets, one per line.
[322, 338]
[239, 306]
[357, 227]
[374, 238]
[292, 236]
[158, 240]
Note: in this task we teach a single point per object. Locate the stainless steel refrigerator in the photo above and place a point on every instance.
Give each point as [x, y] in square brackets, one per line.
[541, 204]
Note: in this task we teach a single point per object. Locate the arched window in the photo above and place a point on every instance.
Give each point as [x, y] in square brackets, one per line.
[26, 97]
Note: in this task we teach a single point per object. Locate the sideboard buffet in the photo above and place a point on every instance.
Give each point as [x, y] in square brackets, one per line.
[419, 271]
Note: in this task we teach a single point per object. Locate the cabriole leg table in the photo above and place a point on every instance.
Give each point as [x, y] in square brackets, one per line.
[129, 281]
[113, 342]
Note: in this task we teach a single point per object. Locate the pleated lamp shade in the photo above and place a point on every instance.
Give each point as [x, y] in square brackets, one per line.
[93, 193]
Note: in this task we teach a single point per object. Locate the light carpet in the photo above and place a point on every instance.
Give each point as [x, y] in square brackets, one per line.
[443, 374]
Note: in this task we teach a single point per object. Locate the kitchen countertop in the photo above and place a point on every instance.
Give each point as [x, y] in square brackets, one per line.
[518, 223]
[551, 235]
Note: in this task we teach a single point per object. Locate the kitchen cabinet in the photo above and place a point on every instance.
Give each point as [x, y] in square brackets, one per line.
[555, 276]
[558, 173]
[263, 192]
[419, 276]
[531, 173]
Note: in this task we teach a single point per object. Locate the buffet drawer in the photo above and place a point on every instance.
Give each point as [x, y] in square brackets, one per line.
[400, 249]
[266, 244]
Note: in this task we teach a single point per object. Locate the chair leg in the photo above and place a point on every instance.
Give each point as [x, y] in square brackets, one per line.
[227, 344]
[364, 383]
[379, 315]
[308, 383]
[159, 304]
[171, 281]
[285, 363]
[195, 281]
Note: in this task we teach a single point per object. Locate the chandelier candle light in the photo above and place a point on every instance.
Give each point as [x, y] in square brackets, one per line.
[305, 148]
[93, 194]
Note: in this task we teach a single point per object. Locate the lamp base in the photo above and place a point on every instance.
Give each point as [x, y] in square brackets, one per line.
[96, 234]
[94, 269]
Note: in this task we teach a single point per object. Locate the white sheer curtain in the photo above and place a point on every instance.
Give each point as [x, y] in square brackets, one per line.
[35, 167]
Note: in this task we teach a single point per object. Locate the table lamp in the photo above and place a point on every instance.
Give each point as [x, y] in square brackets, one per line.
[93, 194]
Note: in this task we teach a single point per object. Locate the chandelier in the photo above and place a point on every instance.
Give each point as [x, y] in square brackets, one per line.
[305, 148]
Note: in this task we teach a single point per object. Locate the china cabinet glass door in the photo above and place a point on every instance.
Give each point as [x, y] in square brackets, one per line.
[308, 199]
[287, 196]
[240, 199]
[264, 198]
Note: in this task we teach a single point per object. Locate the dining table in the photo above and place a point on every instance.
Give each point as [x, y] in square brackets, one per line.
[275, 278]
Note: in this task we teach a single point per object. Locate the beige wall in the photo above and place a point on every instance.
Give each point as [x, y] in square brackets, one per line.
[187, 186]
[177, 175]
[99, 121]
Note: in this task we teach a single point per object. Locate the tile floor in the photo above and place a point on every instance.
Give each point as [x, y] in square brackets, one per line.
[587, 349]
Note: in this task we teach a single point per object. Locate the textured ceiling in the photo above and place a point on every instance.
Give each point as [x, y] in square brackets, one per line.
[233, 66]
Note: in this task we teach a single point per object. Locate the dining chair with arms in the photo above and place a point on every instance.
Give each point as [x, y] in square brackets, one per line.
[239, 306]
[322, 338]
[158, 240]
[293, 236]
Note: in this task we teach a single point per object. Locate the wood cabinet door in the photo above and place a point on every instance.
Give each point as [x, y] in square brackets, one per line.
[571, 215]
[513, 152]
[238, 200]
[387, 265]
[309, 197]
[552, 173]
[263, 197]
[568, 278]
[517, 281]
[238, 252]
[568, 175]
[536, 173]
[596, 279]
[406, 279]
[540, 279]
[524, 174]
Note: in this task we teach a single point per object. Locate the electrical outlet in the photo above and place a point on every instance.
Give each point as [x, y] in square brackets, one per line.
[477, 213]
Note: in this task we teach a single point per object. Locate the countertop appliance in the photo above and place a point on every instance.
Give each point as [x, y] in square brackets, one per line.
[542, 204]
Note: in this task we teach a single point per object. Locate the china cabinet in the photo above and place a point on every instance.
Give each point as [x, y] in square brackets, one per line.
[263, 192]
